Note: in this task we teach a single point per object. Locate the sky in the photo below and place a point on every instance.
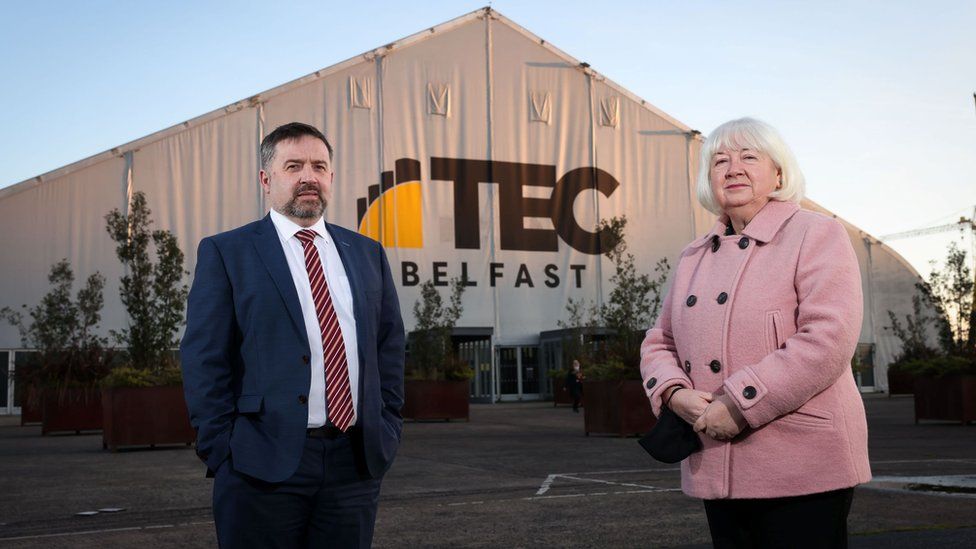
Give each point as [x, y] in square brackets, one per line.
[875, 97]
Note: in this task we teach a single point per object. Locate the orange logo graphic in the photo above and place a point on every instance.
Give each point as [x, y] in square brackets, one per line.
[391, 213]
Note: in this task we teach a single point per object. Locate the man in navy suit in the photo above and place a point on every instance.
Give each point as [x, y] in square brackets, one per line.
[293, 363]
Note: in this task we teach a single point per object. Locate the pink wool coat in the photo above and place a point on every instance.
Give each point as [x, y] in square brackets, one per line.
[770, 317]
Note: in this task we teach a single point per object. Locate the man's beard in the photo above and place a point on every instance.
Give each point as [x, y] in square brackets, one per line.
[302, 210]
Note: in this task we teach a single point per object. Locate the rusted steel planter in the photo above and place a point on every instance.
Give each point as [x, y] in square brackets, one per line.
[616, 407]
[445, 400]
[949, 398]
[31, 410]
[74, 410]
[145, 416]
[900, 383]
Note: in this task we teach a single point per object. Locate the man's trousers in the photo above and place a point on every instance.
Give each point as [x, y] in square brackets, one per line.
[326, 503]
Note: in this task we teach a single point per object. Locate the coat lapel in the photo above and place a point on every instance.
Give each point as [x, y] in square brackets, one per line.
[350, 262]
[268, 245]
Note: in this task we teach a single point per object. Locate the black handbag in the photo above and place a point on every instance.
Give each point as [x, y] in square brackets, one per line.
[671, 439]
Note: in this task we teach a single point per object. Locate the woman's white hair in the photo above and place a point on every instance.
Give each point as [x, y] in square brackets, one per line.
[749, 133]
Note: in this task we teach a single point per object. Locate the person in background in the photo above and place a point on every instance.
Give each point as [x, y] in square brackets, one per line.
[753, 348]
[574, 384]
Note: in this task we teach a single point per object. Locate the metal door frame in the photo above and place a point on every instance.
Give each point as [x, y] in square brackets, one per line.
[10, 370]
[520, 395]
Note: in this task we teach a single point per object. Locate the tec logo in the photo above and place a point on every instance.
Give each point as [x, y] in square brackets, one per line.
[392, 213]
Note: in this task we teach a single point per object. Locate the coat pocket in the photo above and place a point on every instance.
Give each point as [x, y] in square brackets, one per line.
[249, 404]
[774, 331]
[810, 417]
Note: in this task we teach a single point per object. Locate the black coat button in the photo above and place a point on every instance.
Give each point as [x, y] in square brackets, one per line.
[687, 367]
[691, 301]
[722, 298]
[749, 392]
[305, 359]
[651, 382]
[744, 242]
[715, 365]
[715, 243]
[302, 399]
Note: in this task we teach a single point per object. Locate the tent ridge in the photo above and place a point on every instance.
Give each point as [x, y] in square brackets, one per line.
[369, 56]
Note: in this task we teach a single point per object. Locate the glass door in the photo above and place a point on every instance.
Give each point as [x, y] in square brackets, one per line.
[519, 373]
[477, 354]
[530, 373]
[508, 373]
[6, 388]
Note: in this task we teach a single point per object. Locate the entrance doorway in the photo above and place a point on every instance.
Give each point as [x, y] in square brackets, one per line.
[864, 370]
[473, 346]
[519, 373]
[477, 353]
[11, 392]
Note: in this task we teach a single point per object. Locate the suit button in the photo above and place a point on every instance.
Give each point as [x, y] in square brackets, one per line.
[691, 301]
[302, 399]
[744, 242]
[687, 367]
[715, 243]
[651, 382]
[715, 365]
[749, 392]
[305, 359]
[722, 298]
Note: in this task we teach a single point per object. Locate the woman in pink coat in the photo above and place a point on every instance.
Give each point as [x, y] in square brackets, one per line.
[753, 348]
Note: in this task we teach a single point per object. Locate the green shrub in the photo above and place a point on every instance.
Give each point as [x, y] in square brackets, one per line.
[632, 306]
[152, 289]
[128, 376]
[612, 369]
[935, 367]
[70, 354]
[949, 293]
[431, 354]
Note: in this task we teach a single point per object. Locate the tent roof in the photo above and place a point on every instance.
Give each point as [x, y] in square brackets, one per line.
[259, 98]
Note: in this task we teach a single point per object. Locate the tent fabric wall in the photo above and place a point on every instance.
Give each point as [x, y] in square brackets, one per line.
[203, 180]
[888, 284]
[353, 132]
[60, 218]
[523, 72]
[456, 63]
[652, 160]
[476, 97]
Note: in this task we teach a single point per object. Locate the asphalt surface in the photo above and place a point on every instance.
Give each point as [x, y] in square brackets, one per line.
[516, 475]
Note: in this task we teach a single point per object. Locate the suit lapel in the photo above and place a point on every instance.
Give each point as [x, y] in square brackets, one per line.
[351, 263]
[268, 245]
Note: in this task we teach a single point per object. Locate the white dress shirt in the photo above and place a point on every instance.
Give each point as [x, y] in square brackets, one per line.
[339, 289]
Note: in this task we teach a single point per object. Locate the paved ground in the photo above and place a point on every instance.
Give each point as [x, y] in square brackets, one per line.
[517, 475]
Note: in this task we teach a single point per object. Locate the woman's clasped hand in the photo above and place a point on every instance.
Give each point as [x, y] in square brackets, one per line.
[715, 417]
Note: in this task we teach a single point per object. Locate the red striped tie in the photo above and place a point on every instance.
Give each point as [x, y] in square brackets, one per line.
[337, 393]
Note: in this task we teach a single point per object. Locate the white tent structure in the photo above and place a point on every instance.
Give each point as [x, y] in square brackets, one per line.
[471, 148]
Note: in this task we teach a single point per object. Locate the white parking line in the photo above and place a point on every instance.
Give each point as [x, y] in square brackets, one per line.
[959, 481]
[632, 485]
[623, 471]
[106, 531]
[892, 461]
[556, 497]
[547, 484]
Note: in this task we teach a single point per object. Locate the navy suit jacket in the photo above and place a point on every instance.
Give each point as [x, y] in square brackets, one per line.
[245, 353]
